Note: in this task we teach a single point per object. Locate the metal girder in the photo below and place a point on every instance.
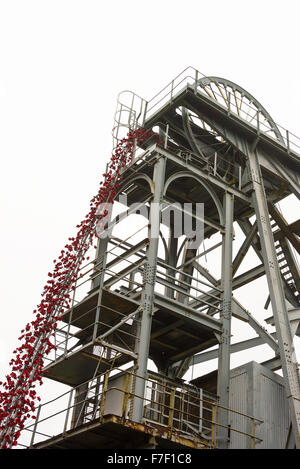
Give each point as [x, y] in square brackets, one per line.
[206, 274]
[187, 313]
[239, 311]
[204, 174]
[225, 318]
[187, 269]
[247, 227]
[147, 301]
[294, 318]
[248, 276]
[283, 329]
[172, 257]
[116, 348]
[98, 281]
[237, 282]
[119, 324]
[243, 249]
[190, 351]
[164, 330]
[242, 314]
[261, 331]
[237, 347]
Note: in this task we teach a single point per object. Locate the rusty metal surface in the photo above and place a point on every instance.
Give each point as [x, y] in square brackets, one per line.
[114, 432]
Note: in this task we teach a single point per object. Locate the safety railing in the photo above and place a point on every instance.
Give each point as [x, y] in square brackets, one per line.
[129, 115]
[230, 98]
[85, 326]
[182, 410]
[80, 324]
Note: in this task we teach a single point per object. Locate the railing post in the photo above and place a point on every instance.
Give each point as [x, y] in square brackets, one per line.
[171, 410]
[68, 410]
[252, 432]
[104, 391]
[213, 425]
[200, 410]
[228, 105]
[172, 87]
[215, 163]
[196, 81]
[145, 113]
[35, 425]
[166, 136]
[126, 396]
[287, 140]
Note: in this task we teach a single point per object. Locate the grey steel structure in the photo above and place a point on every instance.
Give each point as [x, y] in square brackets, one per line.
[152, 298]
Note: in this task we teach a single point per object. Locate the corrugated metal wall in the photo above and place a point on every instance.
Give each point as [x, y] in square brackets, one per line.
[274, 411]
[238, 401]
[257, 391]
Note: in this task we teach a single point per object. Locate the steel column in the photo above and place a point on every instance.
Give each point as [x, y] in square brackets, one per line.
[100, 267]
[148, 292]
[172, 257]
[224, 347]
[282, 324]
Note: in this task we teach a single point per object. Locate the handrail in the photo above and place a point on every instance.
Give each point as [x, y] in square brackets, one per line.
[230, 101]
[168, 402]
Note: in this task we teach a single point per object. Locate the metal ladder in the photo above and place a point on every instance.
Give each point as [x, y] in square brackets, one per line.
[287, 265]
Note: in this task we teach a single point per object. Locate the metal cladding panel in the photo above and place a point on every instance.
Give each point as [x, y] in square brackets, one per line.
[238, 401]
[274, 412]
[257, 391]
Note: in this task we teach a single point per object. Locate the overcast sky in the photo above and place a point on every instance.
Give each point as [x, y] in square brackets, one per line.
[62, 64]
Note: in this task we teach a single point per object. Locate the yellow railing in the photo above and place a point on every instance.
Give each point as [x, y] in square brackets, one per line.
[182, 411]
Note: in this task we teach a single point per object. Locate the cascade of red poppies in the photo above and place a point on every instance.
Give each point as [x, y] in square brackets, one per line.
[18, 397]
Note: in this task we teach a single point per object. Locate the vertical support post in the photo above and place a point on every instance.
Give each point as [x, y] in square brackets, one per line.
[257, 121]
[287, 141]
[104, 393]
[148, 292]
[171, 410]
[215, 163]
[81, 393]
[282, 324]
[166, 136]
[224, 347]
[172, 87]
[240, 178]
[68, 410]
[200, 410]
[145, 112]
[100, 260]
[196, 81]
[172, 255]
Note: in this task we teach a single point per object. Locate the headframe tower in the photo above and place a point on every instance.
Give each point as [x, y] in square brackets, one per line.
[150, 297]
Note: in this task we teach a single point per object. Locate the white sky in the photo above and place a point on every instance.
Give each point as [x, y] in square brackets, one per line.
[62, 64]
